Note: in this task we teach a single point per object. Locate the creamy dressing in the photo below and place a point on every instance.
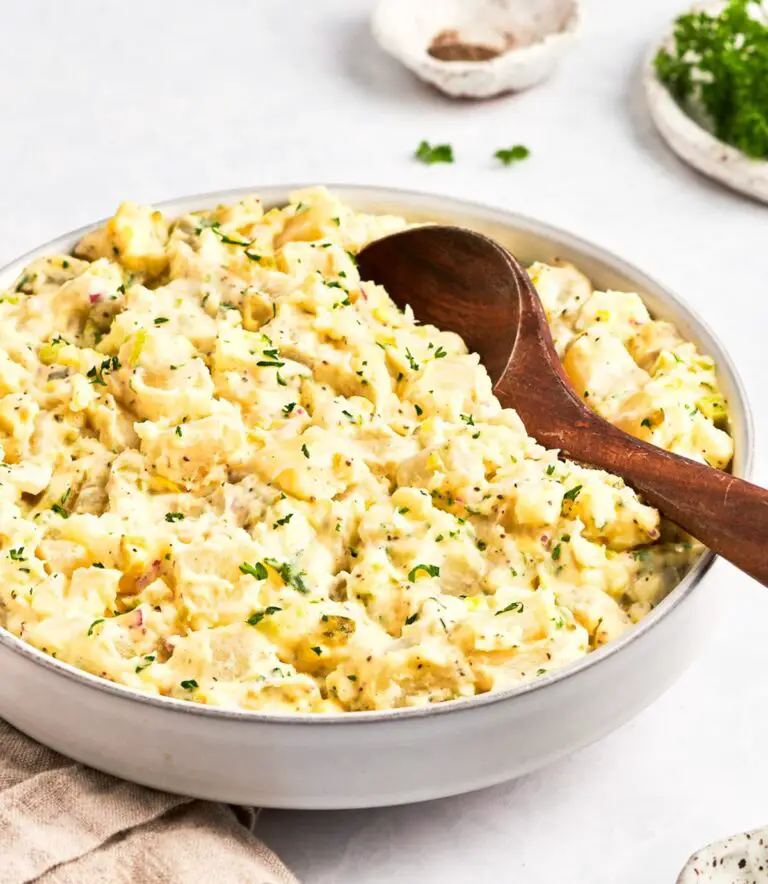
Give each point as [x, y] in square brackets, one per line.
[234, 473]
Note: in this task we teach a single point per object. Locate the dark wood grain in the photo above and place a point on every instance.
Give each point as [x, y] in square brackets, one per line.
[464, 282]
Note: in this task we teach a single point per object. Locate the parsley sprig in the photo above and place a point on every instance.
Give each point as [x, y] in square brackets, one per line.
[718, 64]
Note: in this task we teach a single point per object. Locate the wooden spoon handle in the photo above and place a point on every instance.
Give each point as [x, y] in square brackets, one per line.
[725, 513]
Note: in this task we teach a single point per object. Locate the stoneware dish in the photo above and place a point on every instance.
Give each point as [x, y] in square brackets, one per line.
[740, 859]
[692, 142]
[477, 48]
[376, 758]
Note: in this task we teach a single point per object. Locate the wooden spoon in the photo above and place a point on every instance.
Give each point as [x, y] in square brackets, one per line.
[463, 282]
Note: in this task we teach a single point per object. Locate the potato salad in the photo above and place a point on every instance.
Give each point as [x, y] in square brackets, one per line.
[232, 472]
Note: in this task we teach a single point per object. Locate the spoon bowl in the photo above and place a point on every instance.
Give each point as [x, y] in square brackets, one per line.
[464, 282]
[418, 267]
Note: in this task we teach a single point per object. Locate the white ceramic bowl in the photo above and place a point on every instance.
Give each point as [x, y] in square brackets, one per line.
[543, 29]
[366, 759]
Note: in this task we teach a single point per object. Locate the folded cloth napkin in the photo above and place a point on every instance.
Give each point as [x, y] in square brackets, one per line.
[63, 823]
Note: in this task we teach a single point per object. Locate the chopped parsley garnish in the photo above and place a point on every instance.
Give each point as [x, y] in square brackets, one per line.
[440, 353]
[96, 375]
[258, 616]
[189, 684]
[411, 361]
[349, 415]
[403, 510]
[305, 450]
[272, 360]
[437, 153]
[352, 677]
[98, 565]
[556, 552]
[150, 658]
[317, 650]
[573, 493]
[284, 521]
[412, 619]
[94, 625]
[645, 423]
[161, 320]
[287, 409]
[429, 570]
[58, 507]
[718, 63]
[24, 281]
[252, 256]
[17, 555]
[178, 432]
[419, 410]
[512, 606]
[550, 469]
[215, 227]
[174, 517]
[289, 573]
[468, 419]
[258, 570]
[510, 155]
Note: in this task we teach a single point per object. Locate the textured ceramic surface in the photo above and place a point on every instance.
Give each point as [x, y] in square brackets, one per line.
[377, 758]
[528, 36]
[740, 859]
[694, 144]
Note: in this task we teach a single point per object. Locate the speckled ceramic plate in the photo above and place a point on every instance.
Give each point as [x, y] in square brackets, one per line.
[694, 144]
[740, 859]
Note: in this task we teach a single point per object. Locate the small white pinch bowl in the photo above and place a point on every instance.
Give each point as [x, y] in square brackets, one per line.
[693, 143]
[530, 37]
[740, 859]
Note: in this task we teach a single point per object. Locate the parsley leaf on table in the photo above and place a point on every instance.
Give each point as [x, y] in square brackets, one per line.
[437, 153]
[509, 155]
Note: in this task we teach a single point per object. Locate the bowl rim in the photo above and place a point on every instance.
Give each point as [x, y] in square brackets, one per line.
[423, 201]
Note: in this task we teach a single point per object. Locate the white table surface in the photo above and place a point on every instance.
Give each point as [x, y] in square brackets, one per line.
[149, 100]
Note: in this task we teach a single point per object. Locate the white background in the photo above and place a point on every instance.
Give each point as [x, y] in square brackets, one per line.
[149, 100]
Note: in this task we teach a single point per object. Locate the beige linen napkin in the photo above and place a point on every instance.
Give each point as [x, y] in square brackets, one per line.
[63, 823]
